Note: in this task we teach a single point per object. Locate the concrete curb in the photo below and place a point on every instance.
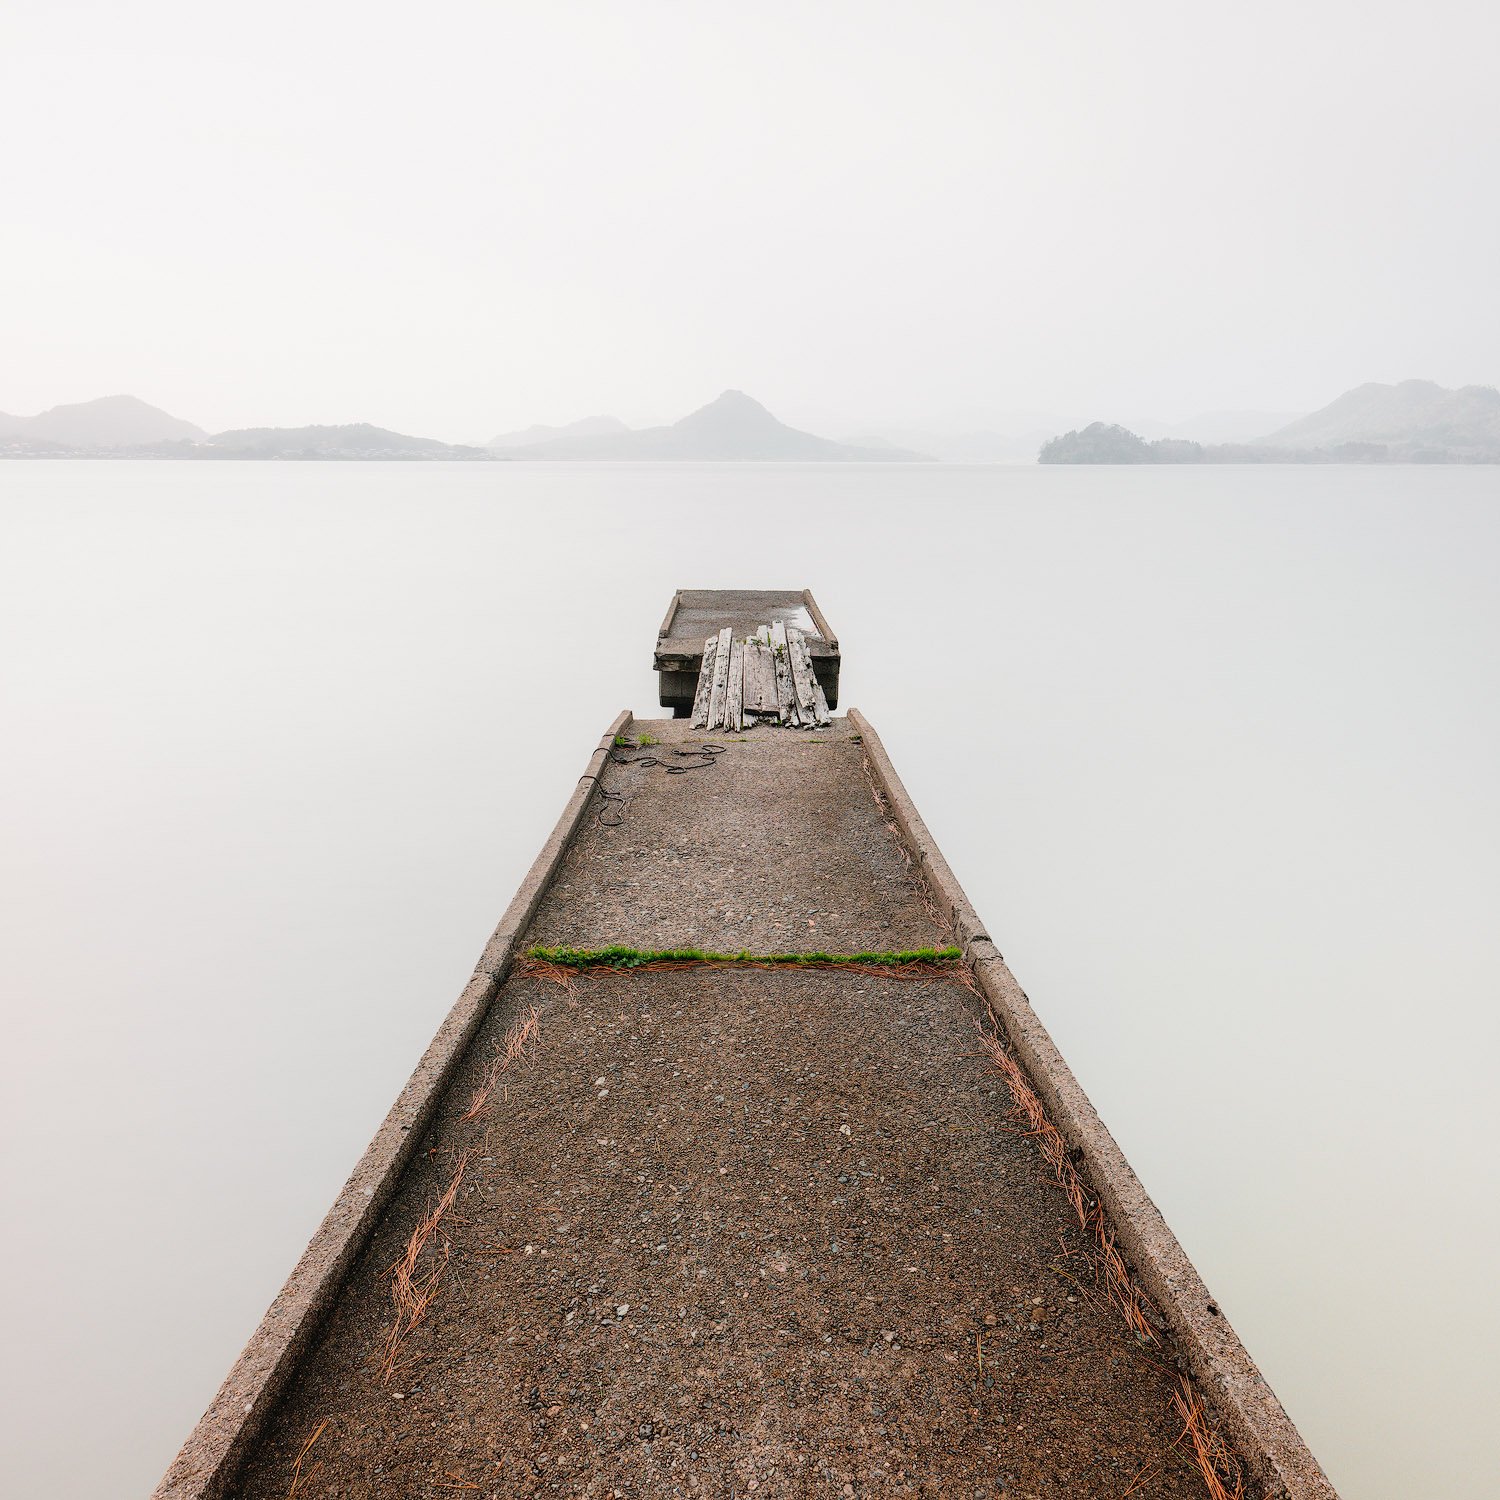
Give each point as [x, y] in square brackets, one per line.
[1250, 1417]
[213, 1452]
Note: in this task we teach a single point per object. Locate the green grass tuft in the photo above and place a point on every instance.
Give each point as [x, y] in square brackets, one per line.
[617, 957]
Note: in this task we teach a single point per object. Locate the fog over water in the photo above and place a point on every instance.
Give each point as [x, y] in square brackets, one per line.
[1213, 753]
[865, 213]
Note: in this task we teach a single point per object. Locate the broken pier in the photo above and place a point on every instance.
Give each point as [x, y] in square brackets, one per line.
[743, 1166]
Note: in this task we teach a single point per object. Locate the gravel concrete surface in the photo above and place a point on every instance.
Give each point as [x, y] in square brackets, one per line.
[777, 846]
[724, 1231]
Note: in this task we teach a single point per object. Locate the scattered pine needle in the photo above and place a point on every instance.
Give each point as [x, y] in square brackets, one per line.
[534, 968]
[1142, 1474]
[964, 975]
[1089, 1211]
[1221, 1474]
[509, 1052]
[412, 1290]
[414, 1282]
[306, 1448]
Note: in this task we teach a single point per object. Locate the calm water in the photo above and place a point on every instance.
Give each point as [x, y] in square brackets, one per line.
[1213, 750]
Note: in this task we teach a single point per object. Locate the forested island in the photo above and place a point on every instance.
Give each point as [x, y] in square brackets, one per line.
[1103, 443]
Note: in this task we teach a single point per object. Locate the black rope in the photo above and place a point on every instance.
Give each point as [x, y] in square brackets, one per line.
[694, 758]
[612, 801]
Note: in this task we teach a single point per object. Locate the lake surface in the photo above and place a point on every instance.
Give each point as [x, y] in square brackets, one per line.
[1216, 762]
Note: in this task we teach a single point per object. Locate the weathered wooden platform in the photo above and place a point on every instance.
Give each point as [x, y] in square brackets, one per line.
[696, 615]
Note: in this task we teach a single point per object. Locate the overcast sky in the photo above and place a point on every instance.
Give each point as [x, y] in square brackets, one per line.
[456, 218]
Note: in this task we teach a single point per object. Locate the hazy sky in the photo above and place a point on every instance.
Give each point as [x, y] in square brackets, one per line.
[455, 218]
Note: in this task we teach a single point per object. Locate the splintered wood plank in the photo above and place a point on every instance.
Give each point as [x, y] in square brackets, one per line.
[769, 697]
[821, 716]
[704, 695]
[734, 697]
[786, 698]
[812, 706]
[760, 680]
[763, 634]
[750, 705]
[721, 680]
[801, 666]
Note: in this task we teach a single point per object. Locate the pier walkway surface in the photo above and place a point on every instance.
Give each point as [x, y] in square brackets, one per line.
[725, 1230]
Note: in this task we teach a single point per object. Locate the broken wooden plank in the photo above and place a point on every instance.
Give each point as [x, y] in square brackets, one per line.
[821, 716]
[760, 681]
[750, 705]
[760, 671]
[812, 707]
[721, 680]
[801, 668]
[704, 695]
[786, 698]
[734, 696]
[763, 671]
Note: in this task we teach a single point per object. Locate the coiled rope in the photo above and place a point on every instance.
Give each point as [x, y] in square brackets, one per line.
[612, 812]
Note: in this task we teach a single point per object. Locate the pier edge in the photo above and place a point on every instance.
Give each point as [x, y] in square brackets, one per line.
[208, 1460]
[1236, 1392]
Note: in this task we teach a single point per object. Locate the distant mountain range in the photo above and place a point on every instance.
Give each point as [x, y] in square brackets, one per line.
[540, 433]
[353, 440]
[124, 427]
[732, 427]
[1413, 422]
[1414, 416]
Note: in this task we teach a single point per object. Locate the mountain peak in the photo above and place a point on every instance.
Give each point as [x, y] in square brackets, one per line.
[732, 400]
[729, 412]
[733, 427]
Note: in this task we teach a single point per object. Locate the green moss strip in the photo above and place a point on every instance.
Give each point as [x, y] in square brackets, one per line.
[634, 958]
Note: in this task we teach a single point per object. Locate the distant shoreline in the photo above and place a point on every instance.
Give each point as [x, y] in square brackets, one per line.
[1284, 461]
[1415, 422]
[496, 458]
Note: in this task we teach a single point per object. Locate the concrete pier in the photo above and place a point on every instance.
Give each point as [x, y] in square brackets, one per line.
[727, 1230]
